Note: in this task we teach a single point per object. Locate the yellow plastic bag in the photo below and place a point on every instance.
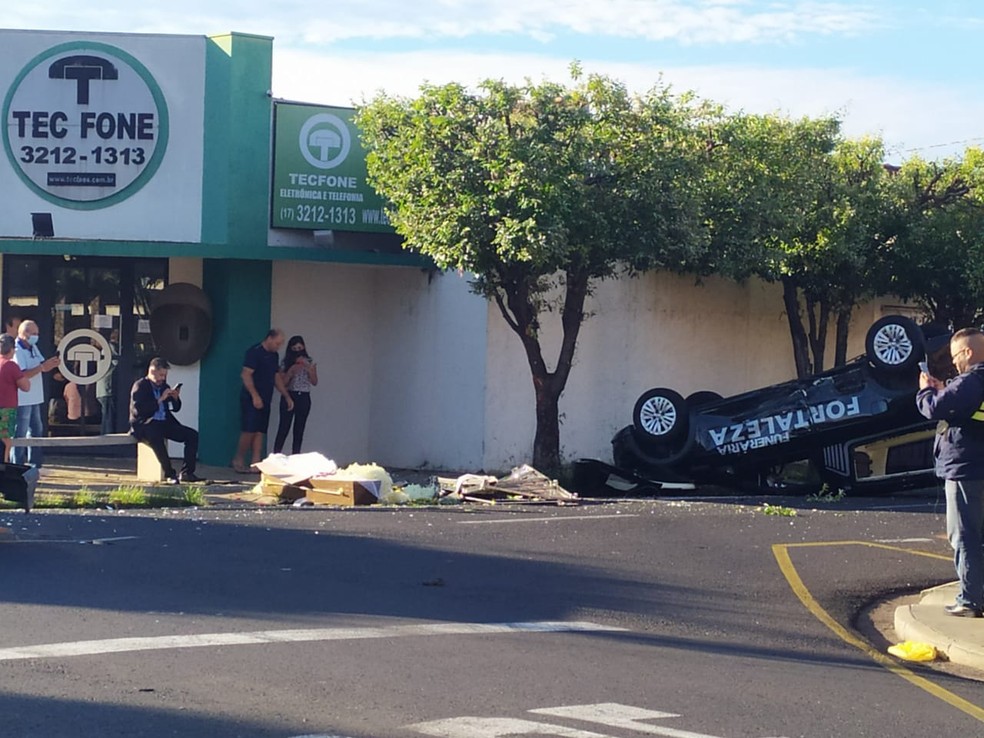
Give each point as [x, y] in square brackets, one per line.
[914, 651]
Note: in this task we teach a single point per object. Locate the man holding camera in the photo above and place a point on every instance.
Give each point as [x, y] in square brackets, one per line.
[959, 452]
[152, 406]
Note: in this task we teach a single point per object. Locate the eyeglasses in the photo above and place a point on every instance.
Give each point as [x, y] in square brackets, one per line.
[955, 354]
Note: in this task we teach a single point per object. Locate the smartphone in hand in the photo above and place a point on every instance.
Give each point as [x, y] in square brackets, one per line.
[923, 367]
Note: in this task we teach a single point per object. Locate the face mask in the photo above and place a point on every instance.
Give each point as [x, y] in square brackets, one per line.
[33, 340]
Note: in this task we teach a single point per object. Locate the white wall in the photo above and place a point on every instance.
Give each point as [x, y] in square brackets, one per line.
[416, 371]
[332, 307]
[428, 389]
[657, 330]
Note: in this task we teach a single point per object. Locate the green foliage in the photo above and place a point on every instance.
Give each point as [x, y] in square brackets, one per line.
[779, 510]
[766, 188]
[937, 256]
[128, 496]
[521, 182]
[827, 495]
[84, 498]
[538, 190]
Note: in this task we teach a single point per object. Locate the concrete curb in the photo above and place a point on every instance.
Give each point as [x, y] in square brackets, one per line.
[961, 640]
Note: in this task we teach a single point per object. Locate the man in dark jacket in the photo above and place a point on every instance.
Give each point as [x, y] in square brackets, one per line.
[152, 404]
[959, 451]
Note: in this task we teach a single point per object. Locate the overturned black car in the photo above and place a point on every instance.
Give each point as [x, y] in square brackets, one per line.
[856, 425]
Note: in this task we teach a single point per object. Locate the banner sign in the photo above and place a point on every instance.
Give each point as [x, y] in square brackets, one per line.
[85, 125]
[319, 172]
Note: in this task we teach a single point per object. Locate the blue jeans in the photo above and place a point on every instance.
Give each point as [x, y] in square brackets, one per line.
[28, 424]
[965, 529]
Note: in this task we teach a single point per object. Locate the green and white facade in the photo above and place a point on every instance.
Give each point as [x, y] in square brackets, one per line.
[153, 155]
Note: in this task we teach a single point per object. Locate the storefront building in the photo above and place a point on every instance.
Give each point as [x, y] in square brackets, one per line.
[132, 162]
[135, 162]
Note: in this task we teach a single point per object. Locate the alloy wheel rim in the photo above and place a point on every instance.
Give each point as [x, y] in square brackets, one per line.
[658, 416]
[892, 344]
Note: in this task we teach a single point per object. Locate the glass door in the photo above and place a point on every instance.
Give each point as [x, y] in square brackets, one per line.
[109, 301]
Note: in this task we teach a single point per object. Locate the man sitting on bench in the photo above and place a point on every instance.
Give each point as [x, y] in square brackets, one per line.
[152, 404]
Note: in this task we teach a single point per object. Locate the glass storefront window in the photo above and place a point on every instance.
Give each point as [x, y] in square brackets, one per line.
[109, 296]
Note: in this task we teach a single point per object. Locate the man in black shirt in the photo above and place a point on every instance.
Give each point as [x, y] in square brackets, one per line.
[260, 375]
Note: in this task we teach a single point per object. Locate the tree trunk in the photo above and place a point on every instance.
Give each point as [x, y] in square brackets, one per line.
[840, 340]
[817, 313]
[801, 355]
[521, 314]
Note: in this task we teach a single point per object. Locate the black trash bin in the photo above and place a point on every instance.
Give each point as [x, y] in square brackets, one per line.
[17, 484]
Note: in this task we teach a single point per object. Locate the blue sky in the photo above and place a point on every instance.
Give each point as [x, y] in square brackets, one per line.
[907, 70]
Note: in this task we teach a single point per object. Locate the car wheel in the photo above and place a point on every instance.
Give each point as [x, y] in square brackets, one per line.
[660, 416]
[629, 453]
[894, 344]
[701, 398]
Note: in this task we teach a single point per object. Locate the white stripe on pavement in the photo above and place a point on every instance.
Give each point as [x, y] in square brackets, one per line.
[904, 540]
[157, 643]
[546, 520]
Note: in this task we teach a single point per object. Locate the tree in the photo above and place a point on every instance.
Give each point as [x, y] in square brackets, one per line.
[540, 190]
[936, 258]
[768, 202]
[850, 267]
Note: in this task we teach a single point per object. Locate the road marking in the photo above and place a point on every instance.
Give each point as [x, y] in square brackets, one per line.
[606, 714]
[781, 552]
[302, 635]
[93, 541]
[547, 520]
[905, 540]
[621, 716]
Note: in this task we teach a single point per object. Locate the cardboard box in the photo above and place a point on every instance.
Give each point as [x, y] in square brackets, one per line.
[340, 492]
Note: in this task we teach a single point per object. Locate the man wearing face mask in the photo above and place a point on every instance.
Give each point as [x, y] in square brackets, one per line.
[959, 452]
[30, 402]
[152, 404]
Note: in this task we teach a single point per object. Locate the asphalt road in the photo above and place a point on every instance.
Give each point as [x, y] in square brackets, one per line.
[620, 619]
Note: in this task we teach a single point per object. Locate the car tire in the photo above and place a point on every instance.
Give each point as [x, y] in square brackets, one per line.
[894, 344]
[629, 453]
[701, 398]
[660, 416]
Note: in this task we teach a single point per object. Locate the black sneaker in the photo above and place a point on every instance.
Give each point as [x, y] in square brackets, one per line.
[963, 611]
[190, 478]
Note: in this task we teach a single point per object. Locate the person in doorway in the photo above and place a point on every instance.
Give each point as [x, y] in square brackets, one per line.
[300, 374]
[30, 402]
[959, 451]
[104, 387]
[11, 324]
[11, 380]
[260, 375]
[152, 406]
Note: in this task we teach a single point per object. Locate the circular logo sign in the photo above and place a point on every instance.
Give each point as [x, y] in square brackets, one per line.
[324, 141]
[85, 125]
[86, 356]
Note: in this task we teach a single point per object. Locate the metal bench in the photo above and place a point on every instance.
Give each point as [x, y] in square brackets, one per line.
[148, 468]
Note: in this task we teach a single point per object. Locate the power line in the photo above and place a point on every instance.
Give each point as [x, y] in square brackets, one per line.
[941, 145]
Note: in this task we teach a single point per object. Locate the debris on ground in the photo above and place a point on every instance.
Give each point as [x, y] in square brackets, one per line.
[522, 484]
[312, 479]
[317, 479]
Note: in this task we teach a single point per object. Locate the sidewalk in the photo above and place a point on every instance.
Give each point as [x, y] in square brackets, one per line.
[67, 474]
[960, 639]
